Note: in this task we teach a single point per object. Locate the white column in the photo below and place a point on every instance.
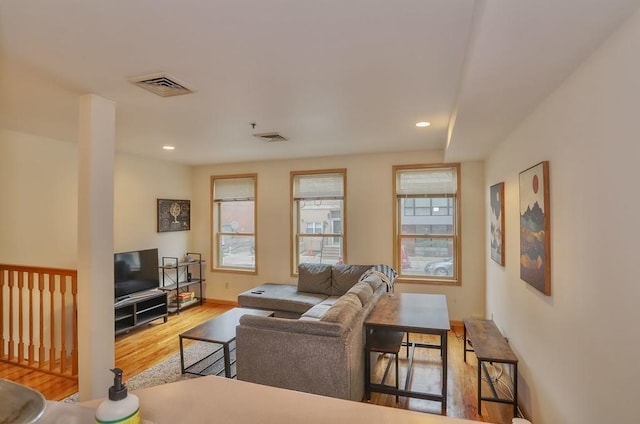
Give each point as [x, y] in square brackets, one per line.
[96, 151]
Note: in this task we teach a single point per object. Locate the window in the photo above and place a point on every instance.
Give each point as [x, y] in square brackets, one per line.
[414, 207]
[317, 217]
[427, 222]
[314, 228]
[233, 214]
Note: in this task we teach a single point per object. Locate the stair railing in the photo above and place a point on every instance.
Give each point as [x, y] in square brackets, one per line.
[38, 318]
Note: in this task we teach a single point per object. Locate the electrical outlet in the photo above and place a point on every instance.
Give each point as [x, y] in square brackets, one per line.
[226, 285]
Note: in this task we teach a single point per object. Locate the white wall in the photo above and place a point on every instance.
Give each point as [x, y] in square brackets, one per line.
[139, 183]
[578, 347]
[369, 222]
[39, 201]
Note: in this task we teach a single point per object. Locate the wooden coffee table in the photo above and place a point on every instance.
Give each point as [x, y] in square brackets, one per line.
[218, 330]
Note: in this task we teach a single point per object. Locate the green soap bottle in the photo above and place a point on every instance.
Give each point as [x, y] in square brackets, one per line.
[120, 408]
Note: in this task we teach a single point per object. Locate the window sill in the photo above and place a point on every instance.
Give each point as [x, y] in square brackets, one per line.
[428, 281]
[236, 271]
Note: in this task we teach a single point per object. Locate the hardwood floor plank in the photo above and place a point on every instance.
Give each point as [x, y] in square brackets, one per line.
[151, 344]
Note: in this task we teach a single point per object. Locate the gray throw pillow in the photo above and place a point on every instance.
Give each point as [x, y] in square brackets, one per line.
[343, 277]
[314, 278]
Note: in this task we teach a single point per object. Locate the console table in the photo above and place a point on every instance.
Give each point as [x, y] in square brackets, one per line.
[408, 313]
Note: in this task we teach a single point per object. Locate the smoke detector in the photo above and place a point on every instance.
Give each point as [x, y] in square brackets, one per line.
[270, 137]
[162, 84]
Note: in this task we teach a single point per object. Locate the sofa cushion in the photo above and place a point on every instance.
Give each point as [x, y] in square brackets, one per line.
[344, 310]
[316, 312]
[343, 277]
[279, 297]
[363, 290]
[314, 278]
[329, 301]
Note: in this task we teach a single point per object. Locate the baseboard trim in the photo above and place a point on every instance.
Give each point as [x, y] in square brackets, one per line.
[221, 302]
[454, 323]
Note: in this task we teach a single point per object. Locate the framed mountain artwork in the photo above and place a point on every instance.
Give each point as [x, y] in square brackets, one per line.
[535, 255]
[496, 192]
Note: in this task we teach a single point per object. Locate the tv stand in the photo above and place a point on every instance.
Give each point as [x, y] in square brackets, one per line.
[140, 309]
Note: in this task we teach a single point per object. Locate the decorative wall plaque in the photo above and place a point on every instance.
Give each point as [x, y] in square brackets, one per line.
[174, 215]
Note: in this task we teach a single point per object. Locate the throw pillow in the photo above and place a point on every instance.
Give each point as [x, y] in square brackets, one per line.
[314, 278]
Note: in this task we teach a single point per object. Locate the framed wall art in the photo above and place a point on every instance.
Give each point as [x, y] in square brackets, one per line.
[535, 255]
[174, 215]
[496, 192]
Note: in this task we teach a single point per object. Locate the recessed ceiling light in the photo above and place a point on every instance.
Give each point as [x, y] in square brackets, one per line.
[169, 147]
[423, 124]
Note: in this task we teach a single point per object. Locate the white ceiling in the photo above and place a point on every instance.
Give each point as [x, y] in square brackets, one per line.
[333, 76]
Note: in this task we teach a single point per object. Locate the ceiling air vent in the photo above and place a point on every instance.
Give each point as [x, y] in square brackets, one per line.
[162, 84]
[270, 137]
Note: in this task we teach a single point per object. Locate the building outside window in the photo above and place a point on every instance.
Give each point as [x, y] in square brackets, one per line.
[233, 238]
[318, 210]
[427, 222]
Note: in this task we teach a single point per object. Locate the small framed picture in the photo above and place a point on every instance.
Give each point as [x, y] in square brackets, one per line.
[497, 222]
[174, 215]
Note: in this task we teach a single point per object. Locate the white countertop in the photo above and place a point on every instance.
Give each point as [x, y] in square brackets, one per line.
[221, 400]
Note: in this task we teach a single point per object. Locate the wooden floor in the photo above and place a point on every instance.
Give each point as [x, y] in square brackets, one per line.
[145, 347]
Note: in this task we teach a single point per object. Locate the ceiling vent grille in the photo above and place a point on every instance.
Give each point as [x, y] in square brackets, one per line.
[162, 84]
[270, 137]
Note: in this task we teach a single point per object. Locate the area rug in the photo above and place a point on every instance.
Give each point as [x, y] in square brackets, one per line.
[168, 370]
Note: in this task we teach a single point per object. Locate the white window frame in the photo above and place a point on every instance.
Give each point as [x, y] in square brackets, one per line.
[245, 190]
[423, 191]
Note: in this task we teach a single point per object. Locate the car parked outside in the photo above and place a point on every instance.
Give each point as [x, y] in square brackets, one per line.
[440, 268]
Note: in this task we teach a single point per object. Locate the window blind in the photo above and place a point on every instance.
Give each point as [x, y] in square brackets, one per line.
[318, 186]
[426, 182]
[233, 189]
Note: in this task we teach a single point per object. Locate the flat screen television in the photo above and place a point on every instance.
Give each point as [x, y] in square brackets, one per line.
[135, 272]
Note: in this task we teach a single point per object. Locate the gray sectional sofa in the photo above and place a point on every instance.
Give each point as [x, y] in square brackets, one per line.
[315, 343]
